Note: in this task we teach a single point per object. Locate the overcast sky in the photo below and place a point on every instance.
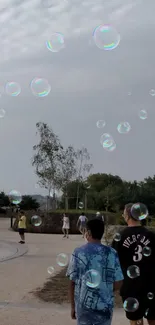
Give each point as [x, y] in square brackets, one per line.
[87, 84]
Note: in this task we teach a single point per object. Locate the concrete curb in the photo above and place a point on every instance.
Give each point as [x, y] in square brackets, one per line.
[16, 250]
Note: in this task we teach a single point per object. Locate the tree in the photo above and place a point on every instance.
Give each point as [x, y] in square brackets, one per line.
[83, 168]
[4, 200]
[47, 159]
[68, 170]
[28, 203]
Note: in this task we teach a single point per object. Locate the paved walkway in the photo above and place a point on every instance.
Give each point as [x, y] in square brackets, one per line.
[21, 275]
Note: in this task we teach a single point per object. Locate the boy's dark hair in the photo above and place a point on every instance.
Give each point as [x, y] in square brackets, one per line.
[128, 209]
[96, 227]
[22, 212]
[82, 214]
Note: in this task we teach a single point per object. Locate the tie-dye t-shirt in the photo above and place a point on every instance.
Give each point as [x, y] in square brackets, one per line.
[94, 268]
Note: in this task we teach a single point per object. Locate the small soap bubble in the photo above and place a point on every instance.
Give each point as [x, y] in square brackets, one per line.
[152, 92]
[100, 124]
[62, 259]
[146, 251]
[50, 270]
[131, 305]
[150, 295]
[143, 114]
[117, 237]
[86, 185]
[133, 271]
[12, 88]
[15, 197]
[56, 43]
[92, 278]
[40, 87]
[106, 37]
[123, 127]
[36, 221]
[107, 142]
[2, 113]
[81, 205]
[139, 211]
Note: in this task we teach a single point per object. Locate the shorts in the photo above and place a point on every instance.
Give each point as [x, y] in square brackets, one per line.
[83, 225]
[146, 307]
[21, 231]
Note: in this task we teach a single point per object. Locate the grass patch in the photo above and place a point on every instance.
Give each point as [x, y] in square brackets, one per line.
[55, 290]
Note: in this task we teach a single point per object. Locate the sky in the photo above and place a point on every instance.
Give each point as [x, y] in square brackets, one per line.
[87, 83]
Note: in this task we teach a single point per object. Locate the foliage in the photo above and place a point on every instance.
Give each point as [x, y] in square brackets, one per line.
[47, 158]
[111, 193]
[28, 203]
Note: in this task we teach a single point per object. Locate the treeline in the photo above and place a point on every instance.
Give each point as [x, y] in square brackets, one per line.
[107, 192]
[27, 203]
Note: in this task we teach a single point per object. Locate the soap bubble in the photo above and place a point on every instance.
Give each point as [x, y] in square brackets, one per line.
[143, 114]
[50, 270]
[152, 92]
[106, 37]
[146, 251]
[2, 113]
[81, 205]
[100, 124]
[86, 185]
[56, 42]
[133, 271]
[123, 127]
[12, 88]
[139, 211]
[107, 142]
[117, 237]
[150, 295]
[15, 197]
[131, 304]
[40, 87]
[92, 278]
[36, 221]
[62, 259]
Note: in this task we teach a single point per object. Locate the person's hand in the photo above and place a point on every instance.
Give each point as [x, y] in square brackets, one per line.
[73, 316]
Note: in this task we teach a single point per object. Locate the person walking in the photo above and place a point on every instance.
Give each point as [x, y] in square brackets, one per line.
[81, 223]
[22, 226]
[99, 216]
[95, 273]
[65, 226]
[136, 250]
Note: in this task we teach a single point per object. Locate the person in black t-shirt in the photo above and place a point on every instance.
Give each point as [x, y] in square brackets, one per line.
[136, 249]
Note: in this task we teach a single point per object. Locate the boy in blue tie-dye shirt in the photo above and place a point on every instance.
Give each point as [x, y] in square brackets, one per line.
[94, 271]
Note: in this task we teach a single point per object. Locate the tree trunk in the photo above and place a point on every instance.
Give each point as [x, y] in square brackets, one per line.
[66, 202]
[85, 201]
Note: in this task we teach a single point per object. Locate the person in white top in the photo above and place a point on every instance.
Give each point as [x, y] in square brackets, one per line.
[81, 223]
[98, 216]
[65, 226]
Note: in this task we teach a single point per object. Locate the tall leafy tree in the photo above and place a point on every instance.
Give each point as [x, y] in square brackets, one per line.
[68, 170]
[83, 168]
[47, 158]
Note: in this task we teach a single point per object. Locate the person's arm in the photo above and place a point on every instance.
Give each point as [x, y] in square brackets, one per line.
[72, 273]
[78, 222]
[118, 274]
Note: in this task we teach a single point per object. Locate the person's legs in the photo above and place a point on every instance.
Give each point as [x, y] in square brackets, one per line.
[64, 232]
[67, 232]
[22, 236]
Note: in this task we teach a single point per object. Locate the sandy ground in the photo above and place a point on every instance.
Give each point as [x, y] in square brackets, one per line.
[24, 274]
